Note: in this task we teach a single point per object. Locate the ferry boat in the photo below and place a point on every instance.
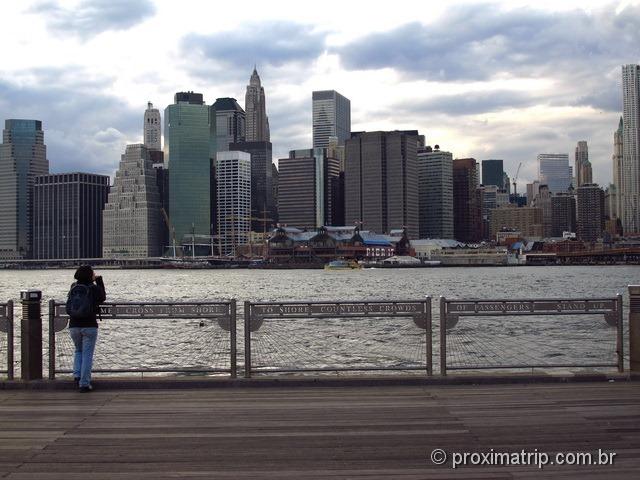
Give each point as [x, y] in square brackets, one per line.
[342, 265]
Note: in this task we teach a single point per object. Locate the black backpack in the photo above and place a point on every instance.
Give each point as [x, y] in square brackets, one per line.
[80, 301]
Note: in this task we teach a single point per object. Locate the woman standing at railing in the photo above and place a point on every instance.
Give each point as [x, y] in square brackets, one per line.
[83, 304]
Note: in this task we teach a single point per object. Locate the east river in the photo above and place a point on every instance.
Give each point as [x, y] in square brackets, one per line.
[338, 342]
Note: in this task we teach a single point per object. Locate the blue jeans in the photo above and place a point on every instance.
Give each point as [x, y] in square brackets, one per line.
[85, 341]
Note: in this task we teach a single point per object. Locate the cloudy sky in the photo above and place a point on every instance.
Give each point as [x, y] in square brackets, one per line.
[483, 79]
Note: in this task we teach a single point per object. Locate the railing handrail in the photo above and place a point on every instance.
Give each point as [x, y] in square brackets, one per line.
[424, 314]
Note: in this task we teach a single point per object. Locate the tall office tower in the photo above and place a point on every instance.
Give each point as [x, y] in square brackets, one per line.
[152, 128]
[532, 190]
[583, 171]
[132, 220]
[257, 125]
[23, 156]
[631, 148]
[435, 187]
[506, 182]
[331, 118]
[233, 183]
[230, 123]
[381, 181]
[563, 214]
[467, 221]
[543, 201]
[616, 159]
[590, 217]
[554, 171]
[493, 173]
[189, 146]
[261, 183]
[67, 215]
[492, 197]
[274, 189]
[308, 190]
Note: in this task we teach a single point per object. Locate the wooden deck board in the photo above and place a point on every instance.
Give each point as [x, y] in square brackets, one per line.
[345, 432]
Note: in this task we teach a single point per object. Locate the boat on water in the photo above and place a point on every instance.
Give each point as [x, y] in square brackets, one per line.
[342, 265]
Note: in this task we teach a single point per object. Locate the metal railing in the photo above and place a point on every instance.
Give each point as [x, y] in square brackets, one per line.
[181, 332]
[297, 344]
[519, 345]
[6, 328]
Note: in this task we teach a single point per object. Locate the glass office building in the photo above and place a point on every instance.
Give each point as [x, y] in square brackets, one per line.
[331, 118]
[190, 147]
[23, 156]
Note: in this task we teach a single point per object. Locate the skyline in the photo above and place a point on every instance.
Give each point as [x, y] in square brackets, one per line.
[491, 95]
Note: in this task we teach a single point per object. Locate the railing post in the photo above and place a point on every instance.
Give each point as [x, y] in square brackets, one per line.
[247, 339]
[52, 340]
[620, 332]
[232, 331]
[429, 336]
[31, 335]
[10, 340]
[634, 328]
[443, 336]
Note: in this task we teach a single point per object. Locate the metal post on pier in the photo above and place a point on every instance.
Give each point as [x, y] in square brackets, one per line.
[31, 335]
[443, 337]
[247, 339]
[634, 328]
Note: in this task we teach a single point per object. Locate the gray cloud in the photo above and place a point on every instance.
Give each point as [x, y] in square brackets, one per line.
[84, 129]
[92, 17]
[269, 44]
[477, 42]
[469, 103]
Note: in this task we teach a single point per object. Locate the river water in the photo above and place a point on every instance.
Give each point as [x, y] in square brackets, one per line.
[350, 343]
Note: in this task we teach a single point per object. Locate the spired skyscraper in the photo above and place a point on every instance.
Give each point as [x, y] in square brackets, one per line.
[631, 148]
[583, 171]
[257, 122]
[23, 156]
[152, 128]
[331, 118]
[190, 148]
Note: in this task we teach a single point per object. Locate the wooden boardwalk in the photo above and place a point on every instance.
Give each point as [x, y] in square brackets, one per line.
[315, 433]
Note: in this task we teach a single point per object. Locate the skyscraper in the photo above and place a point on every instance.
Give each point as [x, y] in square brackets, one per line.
[67, 218]
[152, 128]
[190, 146]
[631, 148]
[381, 181]
[309, 181]
[132, 218]
[563, 214]
[467, 206]
[435, 186]
[590, 221]
[493, 173]
[230, 123]
[331, 117]
[23, 156]
[583, 170]
[233, 182]
[261, 182]
[616, 159]
[554, 171]
[257, 122]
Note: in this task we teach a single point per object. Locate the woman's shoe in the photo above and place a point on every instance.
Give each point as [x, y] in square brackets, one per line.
[85, 389]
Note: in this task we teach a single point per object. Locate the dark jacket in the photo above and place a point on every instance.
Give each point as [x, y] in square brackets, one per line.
[99, 296]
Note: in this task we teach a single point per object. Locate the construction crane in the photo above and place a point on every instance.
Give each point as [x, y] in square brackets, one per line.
[170, 228]
[515, 181]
